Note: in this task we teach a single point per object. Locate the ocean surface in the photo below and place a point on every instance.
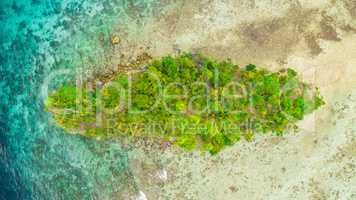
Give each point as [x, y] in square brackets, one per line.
[37, 38]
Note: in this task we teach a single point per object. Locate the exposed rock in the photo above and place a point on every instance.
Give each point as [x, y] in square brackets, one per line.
[115, 40]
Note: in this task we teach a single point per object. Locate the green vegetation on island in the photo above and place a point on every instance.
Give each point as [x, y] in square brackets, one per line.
[190, 100]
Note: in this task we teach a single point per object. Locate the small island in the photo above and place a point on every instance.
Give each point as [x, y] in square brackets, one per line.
[190, 100]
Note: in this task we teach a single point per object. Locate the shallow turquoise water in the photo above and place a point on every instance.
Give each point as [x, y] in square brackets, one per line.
[37, 159]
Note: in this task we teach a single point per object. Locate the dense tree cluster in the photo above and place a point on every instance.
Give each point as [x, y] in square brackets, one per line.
[190, 100]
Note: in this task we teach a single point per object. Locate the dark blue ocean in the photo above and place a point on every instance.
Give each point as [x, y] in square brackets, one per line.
[37, 159]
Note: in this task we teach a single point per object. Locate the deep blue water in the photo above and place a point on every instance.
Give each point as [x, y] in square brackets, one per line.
[37, 159]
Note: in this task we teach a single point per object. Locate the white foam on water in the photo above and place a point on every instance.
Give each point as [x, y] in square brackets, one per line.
[162, 175]
[140, 196]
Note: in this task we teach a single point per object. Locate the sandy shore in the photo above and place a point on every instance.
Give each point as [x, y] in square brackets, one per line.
[318, 40]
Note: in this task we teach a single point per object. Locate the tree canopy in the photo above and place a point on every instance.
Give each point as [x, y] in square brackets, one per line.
[190, 100]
